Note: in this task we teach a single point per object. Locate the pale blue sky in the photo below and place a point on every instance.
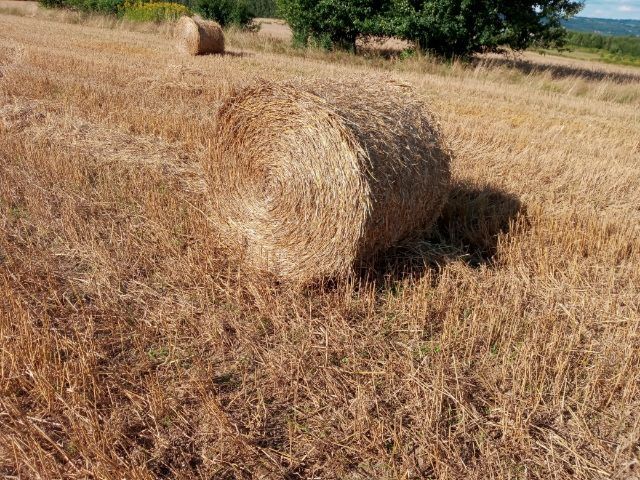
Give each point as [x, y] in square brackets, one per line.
[611, 9]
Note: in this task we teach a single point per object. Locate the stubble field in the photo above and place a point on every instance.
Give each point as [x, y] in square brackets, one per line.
[505, 346]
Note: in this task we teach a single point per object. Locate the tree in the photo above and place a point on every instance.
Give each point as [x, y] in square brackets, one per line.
[446, 27]
[225, 12]
[461, 27]
[264, 8]
[329, 23]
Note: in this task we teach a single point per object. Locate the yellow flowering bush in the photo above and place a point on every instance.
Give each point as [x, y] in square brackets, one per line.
[154, 11]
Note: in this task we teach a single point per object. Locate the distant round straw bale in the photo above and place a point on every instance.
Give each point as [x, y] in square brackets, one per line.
[309, 180]
[196, 36]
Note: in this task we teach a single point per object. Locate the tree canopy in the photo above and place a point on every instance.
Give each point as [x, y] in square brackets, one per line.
[446, 27]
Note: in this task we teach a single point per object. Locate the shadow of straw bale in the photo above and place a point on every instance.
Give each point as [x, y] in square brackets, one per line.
[231, 53]
[468, 230]
[557, 71]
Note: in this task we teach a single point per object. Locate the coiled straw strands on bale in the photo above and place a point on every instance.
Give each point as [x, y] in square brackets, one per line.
[310, 179]
[196, 36]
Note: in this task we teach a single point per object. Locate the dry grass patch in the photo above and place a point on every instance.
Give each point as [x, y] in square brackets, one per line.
[503, 345]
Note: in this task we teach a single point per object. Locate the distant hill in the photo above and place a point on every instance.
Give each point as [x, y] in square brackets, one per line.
[604, 26]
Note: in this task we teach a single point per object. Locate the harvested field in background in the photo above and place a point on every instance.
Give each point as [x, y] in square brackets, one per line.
[505, 345]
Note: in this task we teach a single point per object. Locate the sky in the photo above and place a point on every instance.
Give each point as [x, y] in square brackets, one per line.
[611, 9]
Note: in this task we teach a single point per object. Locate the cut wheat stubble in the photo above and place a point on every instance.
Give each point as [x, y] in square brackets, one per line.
[311, 179]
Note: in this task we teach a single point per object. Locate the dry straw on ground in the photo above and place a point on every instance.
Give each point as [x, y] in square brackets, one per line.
[129, 348]
[196, 36]
[312, 178]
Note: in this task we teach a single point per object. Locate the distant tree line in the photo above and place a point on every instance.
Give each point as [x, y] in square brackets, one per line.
[627, 46]
[102, 6]
[227, 12]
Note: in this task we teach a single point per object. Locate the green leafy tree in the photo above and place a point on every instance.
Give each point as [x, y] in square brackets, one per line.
[461, 27]
[447, 27]
[264, 8]
[329, 23]
[225, 12]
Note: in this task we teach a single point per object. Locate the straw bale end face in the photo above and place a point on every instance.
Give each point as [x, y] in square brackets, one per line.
[196, 36]
[309, 179]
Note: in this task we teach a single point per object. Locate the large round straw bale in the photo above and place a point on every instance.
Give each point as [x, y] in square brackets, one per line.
[310, 179]
[196, 36]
